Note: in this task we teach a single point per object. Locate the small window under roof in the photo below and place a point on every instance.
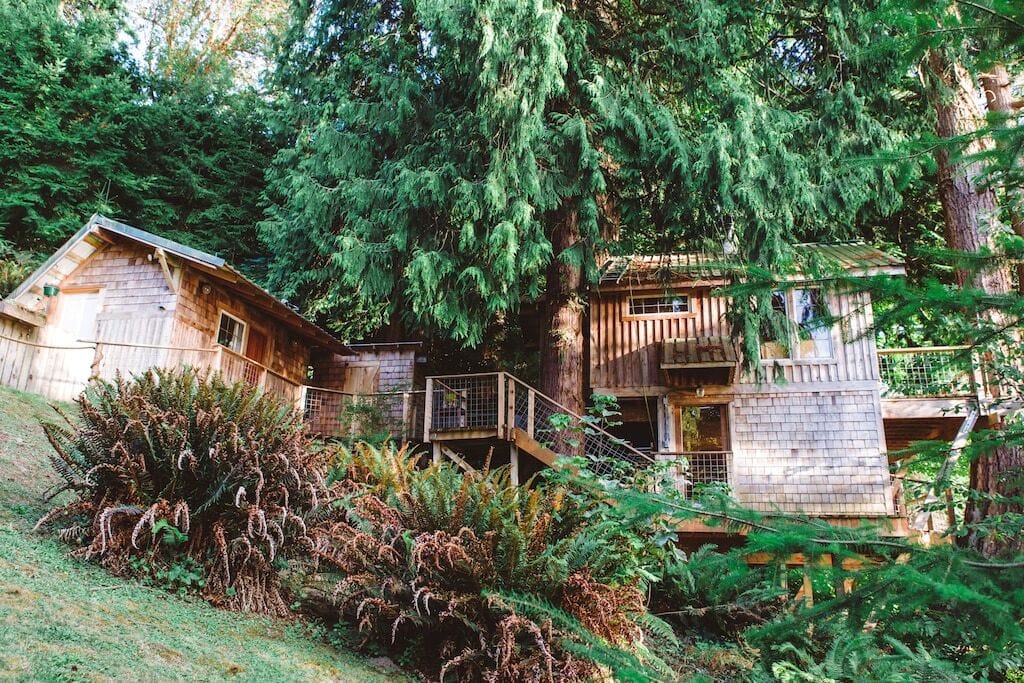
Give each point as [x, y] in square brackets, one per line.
[666, 304]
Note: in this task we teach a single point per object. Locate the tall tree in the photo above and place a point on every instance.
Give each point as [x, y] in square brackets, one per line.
[454, 159]
[66, 106]
[973, 224]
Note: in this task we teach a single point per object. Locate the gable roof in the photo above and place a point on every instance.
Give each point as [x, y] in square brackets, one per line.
[99, 228]
[856, 258]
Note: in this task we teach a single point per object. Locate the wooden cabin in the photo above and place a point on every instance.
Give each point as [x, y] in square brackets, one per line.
[116, 299]
[808, 440]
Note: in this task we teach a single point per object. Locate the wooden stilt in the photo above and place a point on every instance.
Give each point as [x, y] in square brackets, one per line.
[513, 455]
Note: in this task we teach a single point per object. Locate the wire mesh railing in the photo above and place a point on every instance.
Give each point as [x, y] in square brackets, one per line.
[938, 372]
[395, 415]
[465, 402]
[564, 432]
[700, 469]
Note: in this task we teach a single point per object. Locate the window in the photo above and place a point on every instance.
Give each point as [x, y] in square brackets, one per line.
[703, 428]
[812, 321]
[231, 333]
[804, 312]
[659, 305]
[775, 332]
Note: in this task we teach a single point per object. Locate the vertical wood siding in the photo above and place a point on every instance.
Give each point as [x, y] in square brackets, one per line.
[625, 350]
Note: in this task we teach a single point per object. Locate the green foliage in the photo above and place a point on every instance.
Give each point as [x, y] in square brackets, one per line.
[14, 268]
[83, 131]
[438, 149]
[222, 478]
[427, 560]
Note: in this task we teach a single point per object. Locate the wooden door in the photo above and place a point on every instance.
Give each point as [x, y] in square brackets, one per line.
[256, 346]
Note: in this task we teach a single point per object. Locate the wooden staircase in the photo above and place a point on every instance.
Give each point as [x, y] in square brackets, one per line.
[462, 411]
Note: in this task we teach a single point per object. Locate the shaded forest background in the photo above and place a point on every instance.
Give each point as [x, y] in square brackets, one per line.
[169, 115]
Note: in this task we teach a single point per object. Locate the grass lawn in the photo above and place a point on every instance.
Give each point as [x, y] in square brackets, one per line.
[66, 620]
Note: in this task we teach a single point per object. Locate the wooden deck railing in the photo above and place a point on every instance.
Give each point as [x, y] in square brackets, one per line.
[493, 405]
[933, 372]
[394, 414]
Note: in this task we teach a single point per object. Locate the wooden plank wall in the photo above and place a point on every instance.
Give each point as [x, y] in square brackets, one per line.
[198, 315]
[137, 307]
[16, 358]
[625, 350]
[854, 356]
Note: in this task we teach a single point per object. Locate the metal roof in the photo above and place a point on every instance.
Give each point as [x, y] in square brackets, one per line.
[857, 258]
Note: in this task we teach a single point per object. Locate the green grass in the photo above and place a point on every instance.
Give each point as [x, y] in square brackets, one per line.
[66, 620]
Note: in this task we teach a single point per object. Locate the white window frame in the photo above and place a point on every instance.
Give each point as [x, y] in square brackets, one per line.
[655, 313]
[794, 342]
[245, 331]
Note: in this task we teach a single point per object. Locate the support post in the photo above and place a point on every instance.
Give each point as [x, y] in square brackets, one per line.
[406, 415]
[502, 425]
[435, 448]
[513, 454]
[531, 409]
[428, 409]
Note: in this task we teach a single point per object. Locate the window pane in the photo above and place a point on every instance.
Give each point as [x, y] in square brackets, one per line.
[703, 428]
[813, 322]
[774, 332]
[653, 305]
[230, 333]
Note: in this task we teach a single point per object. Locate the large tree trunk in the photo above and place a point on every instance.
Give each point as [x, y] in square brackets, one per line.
[561, 355]
[969, 211]
[999, 101]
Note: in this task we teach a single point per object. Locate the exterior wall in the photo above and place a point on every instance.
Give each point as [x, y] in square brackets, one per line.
[198, 316]
[818, 452]
[137, 307]
[625, 351]
[374, 369]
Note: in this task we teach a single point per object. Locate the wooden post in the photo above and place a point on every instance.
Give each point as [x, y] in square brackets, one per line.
[510, 406]
[807, 589]
[300, 400]
[513, 454]
[435, 448]
[428, 410]
[406, 415]
[502, 425]
[531, 405]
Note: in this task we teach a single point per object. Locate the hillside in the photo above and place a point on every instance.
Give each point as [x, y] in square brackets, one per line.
[65, 620]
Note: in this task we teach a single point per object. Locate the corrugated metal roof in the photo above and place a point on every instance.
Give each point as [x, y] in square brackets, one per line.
[852, 257]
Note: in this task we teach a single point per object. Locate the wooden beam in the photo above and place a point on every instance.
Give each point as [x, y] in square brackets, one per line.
[456, 458]
[161, 257]
[10, 309]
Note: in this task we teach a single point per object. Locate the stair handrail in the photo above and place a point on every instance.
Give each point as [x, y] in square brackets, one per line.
[559, 406]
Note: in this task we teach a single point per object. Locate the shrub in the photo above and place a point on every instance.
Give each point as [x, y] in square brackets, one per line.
[427, 560]
[173, 469]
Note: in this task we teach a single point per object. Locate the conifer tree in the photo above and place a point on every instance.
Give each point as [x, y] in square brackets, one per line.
[453, 159]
